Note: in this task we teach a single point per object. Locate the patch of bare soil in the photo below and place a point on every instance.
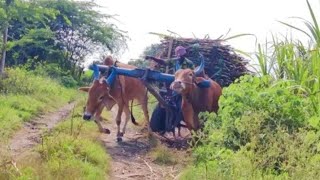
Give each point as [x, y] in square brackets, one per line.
[28, 136]
[133, 158]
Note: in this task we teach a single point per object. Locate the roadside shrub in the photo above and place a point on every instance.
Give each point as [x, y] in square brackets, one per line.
[54, 71]
[263, 130]
[86, 78]
[68, 81]
[257, 106]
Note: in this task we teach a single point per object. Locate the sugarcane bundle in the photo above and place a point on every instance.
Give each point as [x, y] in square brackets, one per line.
[222, 64]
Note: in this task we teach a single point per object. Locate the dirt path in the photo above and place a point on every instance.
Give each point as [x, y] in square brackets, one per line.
[133, 159]
[29, 135]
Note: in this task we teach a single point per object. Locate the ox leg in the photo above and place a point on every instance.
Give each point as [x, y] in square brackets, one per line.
[128, 116]
[188, 114]
[144, 106]
[97, 120]
[118, 121]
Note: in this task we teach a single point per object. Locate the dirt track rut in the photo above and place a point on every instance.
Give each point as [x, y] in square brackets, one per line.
[29, 135]
[133, 159]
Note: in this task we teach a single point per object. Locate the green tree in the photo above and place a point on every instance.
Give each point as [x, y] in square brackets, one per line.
[4, 29]
[63, 32]
[81, 29]
[24, 13]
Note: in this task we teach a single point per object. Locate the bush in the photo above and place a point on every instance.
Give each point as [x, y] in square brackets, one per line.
[68, 81]
[51, 70]
[263, 130]
[86, 78]
[63, 77]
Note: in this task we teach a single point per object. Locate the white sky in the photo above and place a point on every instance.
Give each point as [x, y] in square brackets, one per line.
[201, 17]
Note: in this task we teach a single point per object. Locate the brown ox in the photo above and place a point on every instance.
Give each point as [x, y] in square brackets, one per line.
[124, 90]
[195, 99]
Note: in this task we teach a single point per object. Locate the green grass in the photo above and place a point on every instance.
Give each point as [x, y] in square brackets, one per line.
[163, 156]
[70, 151]
[24, 95]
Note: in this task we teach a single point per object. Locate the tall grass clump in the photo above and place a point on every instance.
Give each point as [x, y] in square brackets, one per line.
[291, 60]
[268, 126]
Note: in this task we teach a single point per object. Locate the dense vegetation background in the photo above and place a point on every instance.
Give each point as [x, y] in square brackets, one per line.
[268, 125]
[60, 33]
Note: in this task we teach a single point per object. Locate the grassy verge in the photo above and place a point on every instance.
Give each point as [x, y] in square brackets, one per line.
[70, 151]
[23, 95]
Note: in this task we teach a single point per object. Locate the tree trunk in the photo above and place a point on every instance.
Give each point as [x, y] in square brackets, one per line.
[4, 51]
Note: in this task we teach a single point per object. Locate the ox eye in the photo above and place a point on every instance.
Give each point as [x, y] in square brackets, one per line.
[100, 98]
[190, 74]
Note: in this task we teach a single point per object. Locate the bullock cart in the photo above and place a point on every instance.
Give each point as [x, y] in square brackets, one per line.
[147, 76]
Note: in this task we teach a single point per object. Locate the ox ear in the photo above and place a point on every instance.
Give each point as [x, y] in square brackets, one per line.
[198, 79]
[202, 82]
[85, 89]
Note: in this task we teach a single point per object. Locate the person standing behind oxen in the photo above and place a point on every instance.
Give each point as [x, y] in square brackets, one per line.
[179, 62]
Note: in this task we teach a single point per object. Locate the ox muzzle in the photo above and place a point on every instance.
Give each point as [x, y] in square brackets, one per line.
[86, 116]
[178, 85]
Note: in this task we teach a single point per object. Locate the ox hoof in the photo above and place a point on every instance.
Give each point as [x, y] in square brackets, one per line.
[119, 139]
[107, 131]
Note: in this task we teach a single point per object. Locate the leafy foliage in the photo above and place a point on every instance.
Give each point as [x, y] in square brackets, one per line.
[263, 129]
[64, 32]
[80, 29]
[267, 127]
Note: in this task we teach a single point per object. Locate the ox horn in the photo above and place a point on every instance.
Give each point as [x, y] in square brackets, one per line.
[200, 68]
[95, 69]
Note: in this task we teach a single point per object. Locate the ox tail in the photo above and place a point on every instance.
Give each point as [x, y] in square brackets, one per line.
[132, 117]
